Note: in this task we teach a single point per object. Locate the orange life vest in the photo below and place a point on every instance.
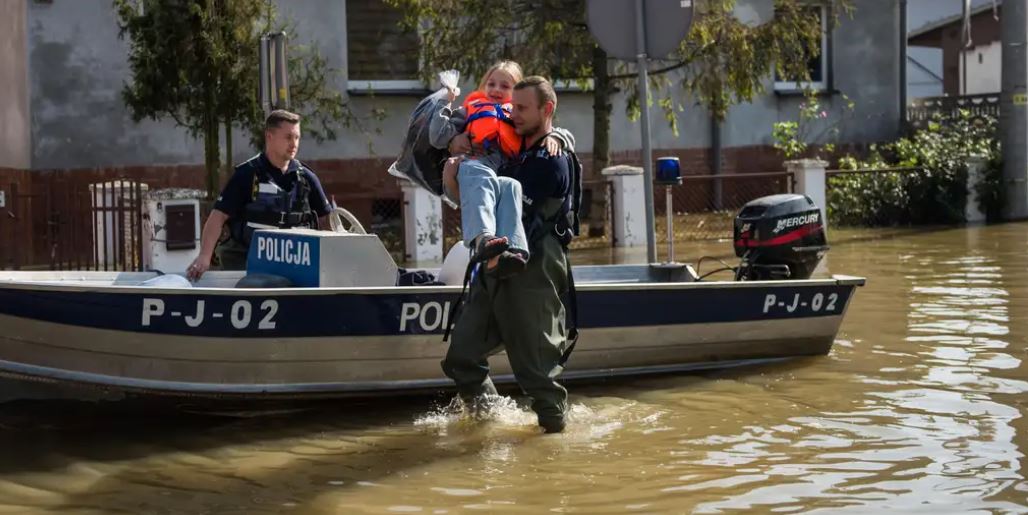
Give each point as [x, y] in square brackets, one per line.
[489, 124]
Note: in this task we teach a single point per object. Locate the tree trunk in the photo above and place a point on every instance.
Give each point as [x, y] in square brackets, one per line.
[212, 160]
[228, 146]
[601, 111]
[601, 138]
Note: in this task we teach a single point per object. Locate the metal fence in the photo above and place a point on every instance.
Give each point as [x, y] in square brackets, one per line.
[14, 231]
[86, 222]
[68, 222]
[72, 224]
[386, 221]
[381, 213]
[704, 206]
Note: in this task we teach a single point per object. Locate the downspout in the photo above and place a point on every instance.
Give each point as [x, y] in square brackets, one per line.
[903, 65]
[715, 158]
[965, 43]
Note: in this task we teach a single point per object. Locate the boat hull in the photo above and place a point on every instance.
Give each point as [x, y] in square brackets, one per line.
[223, 342]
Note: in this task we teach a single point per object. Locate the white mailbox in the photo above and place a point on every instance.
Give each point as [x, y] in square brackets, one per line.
[171, 229]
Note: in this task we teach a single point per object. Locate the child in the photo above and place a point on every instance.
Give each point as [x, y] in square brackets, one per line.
[490, 204]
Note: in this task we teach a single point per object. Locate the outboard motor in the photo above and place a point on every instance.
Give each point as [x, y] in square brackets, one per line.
[779, 237]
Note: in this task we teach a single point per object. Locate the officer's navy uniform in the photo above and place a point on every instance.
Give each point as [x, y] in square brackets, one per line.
[259, 195]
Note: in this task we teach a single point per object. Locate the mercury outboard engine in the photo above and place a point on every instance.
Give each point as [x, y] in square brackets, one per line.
[779, 237]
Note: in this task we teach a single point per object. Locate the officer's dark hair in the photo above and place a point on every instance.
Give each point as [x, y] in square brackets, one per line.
[279, 116]
[543, 89]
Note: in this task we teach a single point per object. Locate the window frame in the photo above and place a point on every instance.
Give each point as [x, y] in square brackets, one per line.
[380, 86]
[571, 85]
[825, 84]
[385, 86]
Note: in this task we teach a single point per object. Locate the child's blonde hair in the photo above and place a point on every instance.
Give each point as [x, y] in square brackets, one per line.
[512, 68]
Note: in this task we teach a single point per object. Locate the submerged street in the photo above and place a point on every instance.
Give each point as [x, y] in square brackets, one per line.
[920, 406]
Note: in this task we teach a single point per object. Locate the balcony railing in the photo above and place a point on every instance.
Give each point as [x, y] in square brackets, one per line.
[923, 110]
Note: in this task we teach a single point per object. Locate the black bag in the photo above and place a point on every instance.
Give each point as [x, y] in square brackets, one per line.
[419, 161]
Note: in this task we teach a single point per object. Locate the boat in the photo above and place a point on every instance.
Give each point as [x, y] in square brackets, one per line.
[132, 334]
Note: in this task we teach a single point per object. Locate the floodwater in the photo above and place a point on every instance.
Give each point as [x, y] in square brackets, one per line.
[920, 407]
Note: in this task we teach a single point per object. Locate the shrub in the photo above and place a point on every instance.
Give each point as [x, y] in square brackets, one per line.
[937, 193]
[812, 134]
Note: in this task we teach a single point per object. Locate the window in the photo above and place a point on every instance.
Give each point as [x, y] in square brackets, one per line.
[818, 67]
[380, 54]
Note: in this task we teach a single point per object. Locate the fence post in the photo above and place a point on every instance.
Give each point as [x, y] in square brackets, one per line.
[422, 224]
[809, 177]
[975, 173]
[629, 205]
[19, 239]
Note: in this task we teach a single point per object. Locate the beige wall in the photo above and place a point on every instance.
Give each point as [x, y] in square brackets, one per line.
[14, 97]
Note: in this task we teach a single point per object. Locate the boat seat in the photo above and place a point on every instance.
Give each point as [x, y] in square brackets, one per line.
[264, 281]
[167, 281]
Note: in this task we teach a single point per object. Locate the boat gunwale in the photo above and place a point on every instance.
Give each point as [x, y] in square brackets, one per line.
[835, 280]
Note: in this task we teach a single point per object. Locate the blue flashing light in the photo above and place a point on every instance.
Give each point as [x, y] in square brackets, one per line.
[669, 171]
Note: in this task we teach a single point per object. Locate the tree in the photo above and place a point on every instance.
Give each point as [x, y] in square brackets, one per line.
[196, 62]
[722, 61]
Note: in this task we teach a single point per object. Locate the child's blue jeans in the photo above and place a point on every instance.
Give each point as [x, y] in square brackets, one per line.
[490, 204]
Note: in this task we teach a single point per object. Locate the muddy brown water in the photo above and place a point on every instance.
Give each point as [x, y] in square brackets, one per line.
[920, 407]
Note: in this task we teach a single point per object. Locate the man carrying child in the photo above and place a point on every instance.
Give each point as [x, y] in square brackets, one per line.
[524, 313]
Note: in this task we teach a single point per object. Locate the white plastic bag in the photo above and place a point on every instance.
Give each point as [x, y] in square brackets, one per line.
[449, 80]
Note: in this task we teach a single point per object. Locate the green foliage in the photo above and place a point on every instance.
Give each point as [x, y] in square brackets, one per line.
[864, 198]
[813, 131]
[314, 95]
[934, 194]
[546, 37]
[786, 135]
[728, 61]
[721, 62]
[196, 62]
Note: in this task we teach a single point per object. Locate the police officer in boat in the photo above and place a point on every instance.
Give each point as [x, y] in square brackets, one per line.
[271, 190]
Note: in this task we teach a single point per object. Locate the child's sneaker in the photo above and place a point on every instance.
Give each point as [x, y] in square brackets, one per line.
[511, 263]
[488, 246]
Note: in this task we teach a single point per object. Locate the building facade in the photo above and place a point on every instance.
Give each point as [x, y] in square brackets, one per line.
[982, 55]
[64, 67]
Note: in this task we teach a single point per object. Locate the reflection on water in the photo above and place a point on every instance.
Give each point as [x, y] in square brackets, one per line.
[919, 407]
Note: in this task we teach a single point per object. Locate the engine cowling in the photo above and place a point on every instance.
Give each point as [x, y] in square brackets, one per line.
[779, 237]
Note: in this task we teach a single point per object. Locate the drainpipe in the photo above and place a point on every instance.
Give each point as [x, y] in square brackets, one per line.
[903, 64]
[965, 42]
[715, 153]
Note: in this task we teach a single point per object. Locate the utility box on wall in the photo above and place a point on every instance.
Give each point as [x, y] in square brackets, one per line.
[171, 229]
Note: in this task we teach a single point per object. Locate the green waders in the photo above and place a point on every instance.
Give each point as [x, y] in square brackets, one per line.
[231, 255]
[524, 315]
